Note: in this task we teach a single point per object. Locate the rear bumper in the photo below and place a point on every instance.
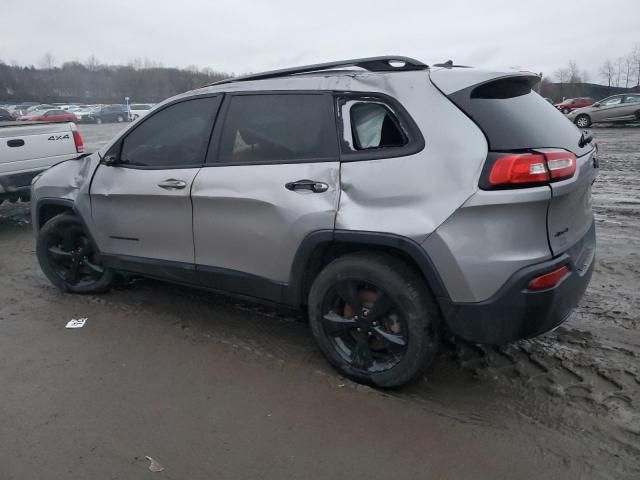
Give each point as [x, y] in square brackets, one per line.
[515, 312]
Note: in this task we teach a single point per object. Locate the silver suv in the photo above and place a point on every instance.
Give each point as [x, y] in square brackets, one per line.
[390, 200]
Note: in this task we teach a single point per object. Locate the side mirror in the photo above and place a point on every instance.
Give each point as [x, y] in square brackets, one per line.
[110, 160]
[596, 105]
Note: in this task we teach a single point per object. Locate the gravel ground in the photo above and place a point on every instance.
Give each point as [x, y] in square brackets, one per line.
[215, 388]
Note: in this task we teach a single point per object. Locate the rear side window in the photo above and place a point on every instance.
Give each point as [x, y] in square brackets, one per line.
[632, 99]
[175, 136]
[514, 117]
[374, 126]
[275, 128]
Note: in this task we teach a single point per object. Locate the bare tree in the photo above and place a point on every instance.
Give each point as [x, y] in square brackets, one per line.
[628, 70]
[607, 72]
[636, 63]
[574, 72]
[47, 61]
[92, 63]
[586, 76]
[618, 71]
[562, 75]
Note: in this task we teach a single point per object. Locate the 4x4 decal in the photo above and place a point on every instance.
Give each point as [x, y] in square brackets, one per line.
[59, 137]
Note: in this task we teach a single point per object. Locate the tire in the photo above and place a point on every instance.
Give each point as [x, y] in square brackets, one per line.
[99, 121]
[566, 111]
[398, 324]
[61, 242]
[120, 119]
[638, 115]
[583, 121]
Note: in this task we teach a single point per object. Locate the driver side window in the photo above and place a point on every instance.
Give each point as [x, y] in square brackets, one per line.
[174, 137]
[613, 101]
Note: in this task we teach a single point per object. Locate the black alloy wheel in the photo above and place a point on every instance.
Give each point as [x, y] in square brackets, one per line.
[374, 318]
[68, 257]
[365, 325]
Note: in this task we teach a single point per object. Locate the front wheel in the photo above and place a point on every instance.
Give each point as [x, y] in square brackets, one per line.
[99, 121]
[120, 119]
[566, 111]
[68, 257]
[583, 121]
[374, 319]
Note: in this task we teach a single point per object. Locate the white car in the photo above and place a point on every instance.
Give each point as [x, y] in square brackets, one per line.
[84, 112]
[28, 150]
[138, 110]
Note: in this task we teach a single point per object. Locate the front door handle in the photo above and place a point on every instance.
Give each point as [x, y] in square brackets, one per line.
[172, 184]
[315, 187]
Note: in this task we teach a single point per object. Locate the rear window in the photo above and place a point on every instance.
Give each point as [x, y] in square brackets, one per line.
[514, 117]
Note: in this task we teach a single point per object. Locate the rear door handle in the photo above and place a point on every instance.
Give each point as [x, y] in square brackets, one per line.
[172, 184]
[315, 187]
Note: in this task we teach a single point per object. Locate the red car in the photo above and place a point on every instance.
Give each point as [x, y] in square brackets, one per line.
[50, 116]
[566, 106]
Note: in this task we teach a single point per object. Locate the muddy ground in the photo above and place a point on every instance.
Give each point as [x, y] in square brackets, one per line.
[215, 388]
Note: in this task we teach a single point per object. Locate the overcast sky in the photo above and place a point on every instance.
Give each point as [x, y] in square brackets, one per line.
[249, 35]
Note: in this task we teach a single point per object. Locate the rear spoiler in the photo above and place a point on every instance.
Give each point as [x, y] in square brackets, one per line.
[449, 81]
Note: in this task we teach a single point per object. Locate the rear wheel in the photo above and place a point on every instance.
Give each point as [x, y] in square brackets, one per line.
[98, 121]
[374, 319]
[68, 257]
[120, 119]
[583, 121]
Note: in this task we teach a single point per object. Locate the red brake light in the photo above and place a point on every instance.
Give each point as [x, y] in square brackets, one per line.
[548, 280]
[78, 141]
[518, 169]
[539, 167]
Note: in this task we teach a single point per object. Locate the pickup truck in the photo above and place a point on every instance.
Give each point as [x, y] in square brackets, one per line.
[27, 149]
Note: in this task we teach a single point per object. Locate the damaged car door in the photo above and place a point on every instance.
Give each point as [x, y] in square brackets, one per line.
[271, 179]
[140, 195]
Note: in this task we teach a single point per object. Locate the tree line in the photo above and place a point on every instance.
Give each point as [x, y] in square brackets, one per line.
[144, 80]
[91, 81]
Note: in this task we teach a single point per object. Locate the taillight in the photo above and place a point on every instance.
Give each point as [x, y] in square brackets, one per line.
[548, 280]
[561, 164]
[529, 169]
[77, 139]
[518, 169]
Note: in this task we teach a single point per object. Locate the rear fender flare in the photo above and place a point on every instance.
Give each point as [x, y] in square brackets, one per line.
[294, 294]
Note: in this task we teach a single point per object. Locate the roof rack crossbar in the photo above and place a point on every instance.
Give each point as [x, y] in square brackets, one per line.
[372, 64]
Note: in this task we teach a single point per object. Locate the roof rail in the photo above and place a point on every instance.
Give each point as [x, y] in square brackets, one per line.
[372, 64]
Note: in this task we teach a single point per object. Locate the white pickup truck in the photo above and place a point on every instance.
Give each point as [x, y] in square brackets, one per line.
[26, 149]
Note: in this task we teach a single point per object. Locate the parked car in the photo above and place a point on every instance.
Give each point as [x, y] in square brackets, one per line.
[363, 204]
[617, 108]
[137, 110]
[81, 113]
[39, 107]
[571, 104]
[50, 116]
[29, 149]
[5, 115]
[106, 114]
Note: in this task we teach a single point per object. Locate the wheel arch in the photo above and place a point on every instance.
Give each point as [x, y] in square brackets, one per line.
[319, 248]
[47, 208]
